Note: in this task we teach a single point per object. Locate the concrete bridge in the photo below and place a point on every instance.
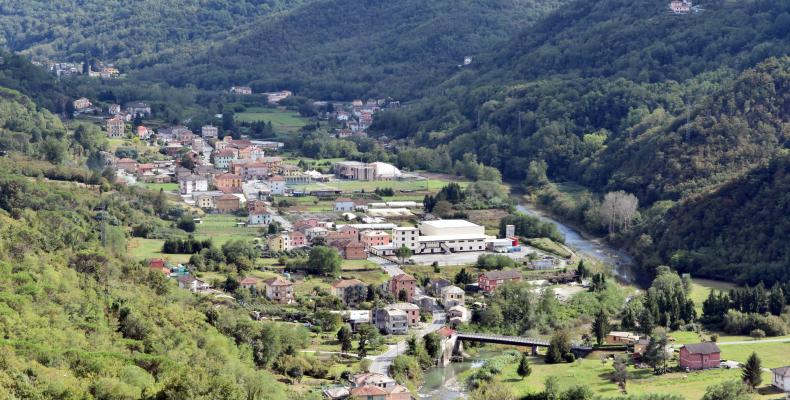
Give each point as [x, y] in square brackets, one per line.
[454, 344]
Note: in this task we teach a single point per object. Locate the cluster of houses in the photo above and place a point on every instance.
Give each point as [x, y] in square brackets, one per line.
[369, 386]
[277, 289]
[62, 68]
[355, 118]
[271, 97]
[680, 6]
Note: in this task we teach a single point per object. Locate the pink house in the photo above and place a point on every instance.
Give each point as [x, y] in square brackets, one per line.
[700, 356]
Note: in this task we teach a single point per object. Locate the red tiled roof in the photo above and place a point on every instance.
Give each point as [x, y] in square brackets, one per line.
[368, 390]
[500, 275]
[403, 277]
[445, 331]
[249, 280]
[277, 281]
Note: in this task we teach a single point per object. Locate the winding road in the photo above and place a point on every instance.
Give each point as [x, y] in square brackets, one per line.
[381, 363]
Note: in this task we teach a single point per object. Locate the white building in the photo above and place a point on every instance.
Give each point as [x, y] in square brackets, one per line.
[440, 236]
[209, 132]
[259, 219]
[193, 183]
[344, 204]
[277, 185]
[452, 296]
[392, 321]
[780, 378]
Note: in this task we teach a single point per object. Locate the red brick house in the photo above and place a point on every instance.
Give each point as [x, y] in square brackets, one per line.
[298, 239]
[489, 281]
[403, 282]
[158, 264]
[228, 183]
[700, 356]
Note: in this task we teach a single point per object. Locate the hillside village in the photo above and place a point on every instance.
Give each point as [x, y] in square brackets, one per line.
[346, 216]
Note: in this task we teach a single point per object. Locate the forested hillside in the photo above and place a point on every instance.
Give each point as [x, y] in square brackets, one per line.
[342, 49]
[78, 320]
[129, 33]
[739, 231]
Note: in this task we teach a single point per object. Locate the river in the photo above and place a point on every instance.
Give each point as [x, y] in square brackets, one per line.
[442, 383]
[620, 262]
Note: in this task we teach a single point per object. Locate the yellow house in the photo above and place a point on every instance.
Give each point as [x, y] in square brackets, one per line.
[280, 242]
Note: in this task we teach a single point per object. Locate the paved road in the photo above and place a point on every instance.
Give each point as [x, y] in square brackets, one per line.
[382, 361]
[388, 266]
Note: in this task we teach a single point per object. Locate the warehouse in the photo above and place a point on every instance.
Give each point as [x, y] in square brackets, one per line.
[440, 236]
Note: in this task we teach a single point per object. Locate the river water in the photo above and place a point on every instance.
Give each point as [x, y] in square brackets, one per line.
[442, 383]
[620, 262]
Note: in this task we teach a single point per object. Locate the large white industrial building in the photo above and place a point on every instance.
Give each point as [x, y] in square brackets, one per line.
[440, 236]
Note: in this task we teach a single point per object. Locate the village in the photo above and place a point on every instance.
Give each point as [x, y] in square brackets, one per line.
[382, 260]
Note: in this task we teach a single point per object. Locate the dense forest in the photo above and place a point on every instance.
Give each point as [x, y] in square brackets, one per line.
[358, 47]
[130, 34]
[81, 321]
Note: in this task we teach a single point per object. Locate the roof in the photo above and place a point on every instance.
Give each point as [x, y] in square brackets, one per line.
[506, 274]
[249, 280]
[454, 289]
[404, 306]
[277, 281]
[368, 390]
[623, 334]
[450, 223]
[343, 200]
[228, 176]
[126, 160]
[225, 153]
[277, 178]
[781, 371]
[368, 378]
[403, 277]
[702, 348]
[347, 283]
[445, 331]
[228, 197]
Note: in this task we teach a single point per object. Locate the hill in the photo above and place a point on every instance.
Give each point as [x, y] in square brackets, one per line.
[130, 34]
[738, 231]
[79, 320]
[343, 49]
[643, 41]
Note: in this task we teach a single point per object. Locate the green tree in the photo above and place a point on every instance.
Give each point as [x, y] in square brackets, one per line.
[732, 390]
[324, 260]
[752, 371]
[344, 337]
[433, 345]
[656, 353]
[620, 374]
[559, 346]
[600, 327]
[524, 369]
[403, 253]
[367, 335]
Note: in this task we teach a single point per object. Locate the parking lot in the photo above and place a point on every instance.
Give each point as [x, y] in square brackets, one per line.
[465, 257]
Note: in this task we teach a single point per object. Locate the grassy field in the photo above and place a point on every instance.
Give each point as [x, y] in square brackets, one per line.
[550, 246]
[287, 121]
[144, 249]
[590, 372]
[167, 187]
[702, 288]
[222, 228]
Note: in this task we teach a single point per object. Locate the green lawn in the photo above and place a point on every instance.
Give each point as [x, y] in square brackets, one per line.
[772, 354]
[703, 287]
[222, 228]
[144, 249]
[167, 187]
[590, 372]
[288, 121]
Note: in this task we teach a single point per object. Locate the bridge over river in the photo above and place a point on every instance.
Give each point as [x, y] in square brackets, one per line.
[454, 344]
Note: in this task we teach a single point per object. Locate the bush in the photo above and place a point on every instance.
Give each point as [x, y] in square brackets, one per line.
[757, 333]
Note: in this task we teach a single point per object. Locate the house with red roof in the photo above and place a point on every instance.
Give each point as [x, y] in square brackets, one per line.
[403, 282]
